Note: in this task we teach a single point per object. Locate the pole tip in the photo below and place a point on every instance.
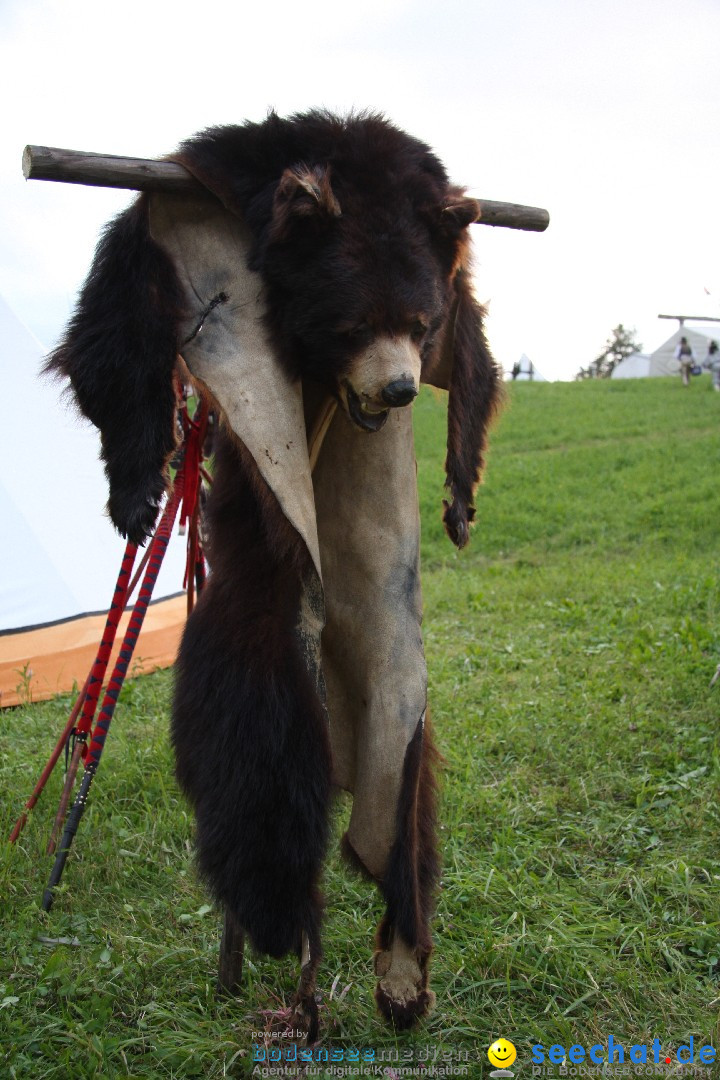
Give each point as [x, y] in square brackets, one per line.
[27, 162]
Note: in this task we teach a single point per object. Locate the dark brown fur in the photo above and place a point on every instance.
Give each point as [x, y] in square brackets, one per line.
[249, 731]
[119, 353]
[472, 402]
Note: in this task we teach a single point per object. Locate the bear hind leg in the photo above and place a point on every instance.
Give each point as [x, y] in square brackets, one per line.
[404, 942]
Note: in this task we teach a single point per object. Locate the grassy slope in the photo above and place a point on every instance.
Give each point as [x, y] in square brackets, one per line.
[570, 650]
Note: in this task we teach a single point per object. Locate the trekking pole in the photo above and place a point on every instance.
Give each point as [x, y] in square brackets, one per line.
[158, 548]
[51, 763]
[82, 731]
[88, 697]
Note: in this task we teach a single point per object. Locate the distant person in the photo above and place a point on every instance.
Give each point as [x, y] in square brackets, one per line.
[712, 362]
[516, 369]
[684, 354]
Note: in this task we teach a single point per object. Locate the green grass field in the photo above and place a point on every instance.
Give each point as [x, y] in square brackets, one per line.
[570, 652]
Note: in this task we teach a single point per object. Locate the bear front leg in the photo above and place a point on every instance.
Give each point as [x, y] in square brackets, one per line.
[402, 992]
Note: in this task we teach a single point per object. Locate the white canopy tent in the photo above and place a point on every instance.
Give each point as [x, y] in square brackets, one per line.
[59, 554]
[525, 371]
[662, 360]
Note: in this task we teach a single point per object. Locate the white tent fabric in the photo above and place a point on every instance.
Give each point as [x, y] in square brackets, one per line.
[59, 554]
[635, 366]
[527, 371]
[662, 360]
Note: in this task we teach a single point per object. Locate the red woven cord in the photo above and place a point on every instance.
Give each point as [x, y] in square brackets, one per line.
[195, 431]
[157, 553]
[193, 550]
[97, 673]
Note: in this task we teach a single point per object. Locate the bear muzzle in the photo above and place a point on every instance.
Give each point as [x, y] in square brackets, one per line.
[386, 375]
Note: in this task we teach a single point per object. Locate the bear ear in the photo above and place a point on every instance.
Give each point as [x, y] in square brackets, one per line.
[303, 192]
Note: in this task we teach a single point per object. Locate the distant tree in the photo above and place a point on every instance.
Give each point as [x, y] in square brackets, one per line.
[618, 347]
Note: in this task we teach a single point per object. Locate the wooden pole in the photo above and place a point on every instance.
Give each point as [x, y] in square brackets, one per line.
[232, 947]
[65, 796]
[107, 170]
[513, 216]
[59, 746]
[691, 318]
[147, 174]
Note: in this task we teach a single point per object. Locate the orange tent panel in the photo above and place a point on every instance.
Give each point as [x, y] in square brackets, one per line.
[36, 664]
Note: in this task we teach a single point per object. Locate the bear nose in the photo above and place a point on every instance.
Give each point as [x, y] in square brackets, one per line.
[398, 393]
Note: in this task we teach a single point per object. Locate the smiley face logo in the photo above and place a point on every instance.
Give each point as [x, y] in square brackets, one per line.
[502, 1053]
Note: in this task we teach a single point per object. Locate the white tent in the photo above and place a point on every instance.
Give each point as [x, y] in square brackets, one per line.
[635, 366]
[663, 362]
[59, 554]
[526, 371]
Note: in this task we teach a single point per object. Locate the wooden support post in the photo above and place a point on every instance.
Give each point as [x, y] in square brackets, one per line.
[146, 174]
[232, 945]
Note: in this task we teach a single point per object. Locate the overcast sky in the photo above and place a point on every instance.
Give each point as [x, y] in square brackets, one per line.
[607, 112]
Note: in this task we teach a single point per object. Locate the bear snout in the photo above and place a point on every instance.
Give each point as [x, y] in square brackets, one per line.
[398, 393]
